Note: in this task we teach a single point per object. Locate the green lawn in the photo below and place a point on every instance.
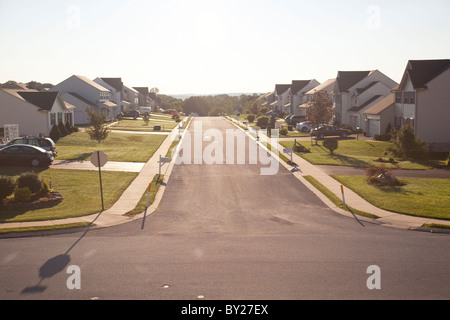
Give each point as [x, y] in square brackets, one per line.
[419, 197]
[80, 190]
[118, 147]
[356, 153]
[168, 124]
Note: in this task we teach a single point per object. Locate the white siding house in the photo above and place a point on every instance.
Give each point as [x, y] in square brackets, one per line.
[356, 91]
[35, 112]
[89, 90]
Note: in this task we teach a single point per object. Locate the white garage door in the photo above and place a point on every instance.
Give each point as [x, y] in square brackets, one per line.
[374, 127]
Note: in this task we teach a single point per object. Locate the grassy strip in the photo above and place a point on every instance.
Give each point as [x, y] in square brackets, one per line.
[80, 190]
[48, 228]
[140, 207]
[357, 153]
[118, 147]
[435, 225]
[333, 198]
[421, 197]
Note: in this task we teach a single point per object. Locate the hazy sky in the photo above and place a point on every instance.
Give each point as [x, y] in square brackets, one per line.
[213, 46]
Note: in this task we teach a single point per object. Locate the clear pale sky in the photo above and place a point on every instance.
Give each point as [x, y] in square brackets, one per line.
[213, 46]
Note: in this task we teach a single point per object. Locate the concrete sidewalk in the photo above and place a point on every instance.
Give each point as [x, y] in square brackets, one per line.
[127, 202]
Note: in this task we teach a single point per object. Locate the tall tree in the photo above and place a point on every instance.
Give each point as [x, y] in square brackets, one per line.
[320, 109]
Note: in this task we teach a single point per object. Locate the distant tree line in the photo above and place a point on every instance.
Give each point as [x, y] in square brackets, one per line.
[11, 84]
[218, 104]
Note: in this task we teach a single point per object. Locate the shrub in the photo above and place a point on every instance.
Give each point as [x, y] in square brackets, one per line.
[31, 181]
[251, 118]
[7, 186]
[407, 145]
[55, 134]
[382, 137]
[45, 188]
[262, 122]
[68, 128]
[22, 194]
[290, 128]
[62, 129]
[382, 176]
[448, 160]
[284, 131]
[331, 144]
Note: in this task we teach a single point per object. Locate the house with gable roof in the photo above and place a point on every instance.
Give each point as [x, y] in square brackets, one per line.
[422, 99]
[89, 91]
[35, 112]
[298, 98]
[282, 97]
[355, 92]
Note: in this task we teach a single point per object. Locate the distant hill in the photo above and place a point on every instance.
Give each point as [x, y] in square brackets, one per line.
[188, 95]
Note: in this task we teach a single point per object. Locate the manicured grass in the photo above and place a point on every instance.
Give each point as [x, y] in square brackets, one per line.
[118, 147]
[140, 207]
[333, 198]
[80, 190]
[168, 124]
[419, 197]
[356, 153]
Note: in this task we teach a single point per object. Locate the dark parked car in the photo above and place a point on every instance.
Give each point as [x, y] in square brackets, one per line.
[44, 143]
[25, 155]
[293, 120]
[326, 131]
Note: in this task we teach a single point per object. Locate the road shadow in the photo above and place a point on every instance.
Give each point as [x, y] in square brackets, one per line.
[55, 265]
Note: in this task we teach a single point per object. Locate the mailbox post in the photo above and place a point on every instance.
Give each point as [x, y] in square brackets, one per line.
[162, 161]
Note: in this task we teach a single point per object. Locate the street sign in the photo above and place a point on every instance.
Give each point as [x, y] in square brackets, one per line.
[99, 159]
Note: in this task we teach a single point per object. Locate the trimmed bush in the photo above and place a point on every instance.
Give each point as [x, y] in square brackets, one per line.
[30, 180]
[284, 131]
[251, 118]
[331, 144]
[55, 134]
[22, 195]
[7, 186]
[262, 122]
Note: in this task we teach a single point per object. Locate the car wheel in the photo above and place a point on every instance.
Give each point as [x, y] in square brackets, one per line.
[304, 129]
[35, 163]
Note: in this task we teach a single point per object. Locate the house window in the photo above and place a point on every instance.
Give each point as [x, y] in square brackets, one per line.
[60, 117]
[412, 97]
[52, 119]
[405, 97]
[398, 97]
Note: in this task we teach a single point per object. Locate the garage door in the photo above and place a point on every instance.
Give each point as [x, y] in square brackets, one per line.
[374, 127]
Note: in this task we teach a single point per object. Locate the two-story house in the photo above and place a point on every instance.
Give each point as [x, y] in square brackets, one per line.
[298, 99]
[423, 100]
[76, 87]
[355, 92]
[115, 86]
[282, 101]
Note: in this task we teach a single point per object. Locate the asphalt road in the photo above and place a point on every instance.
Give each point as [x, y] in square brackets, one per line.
[228, 232]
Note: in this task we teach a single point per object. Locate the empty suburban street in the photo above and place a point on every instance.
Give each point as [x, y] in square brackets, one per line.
[226, 232]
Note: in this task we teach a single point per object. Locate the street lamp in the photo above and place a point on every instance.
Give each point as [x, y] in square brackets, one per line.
[357, 132]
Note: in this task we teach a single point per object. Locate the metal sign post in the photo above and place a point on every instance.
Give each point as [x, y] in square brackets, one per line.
[161, 162]
[99, 159]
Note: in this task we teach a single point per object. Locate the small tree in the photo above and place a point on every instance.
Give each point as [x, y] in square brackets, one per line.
[320, 109]
[98, 130]
[146, 119]
[331, 144]
[407, 145]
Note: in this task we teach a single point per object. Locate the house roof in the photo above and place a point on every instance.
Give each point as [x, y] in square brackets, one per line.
[43, 100]
[298, 85]
[92, 83]
[423, 71]
[82, 99]
[382, 105]
[142, 90]
[362, 90]
[365, 104]
[327, 85]
[116, 83]
[347, 79]
[282, 88]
